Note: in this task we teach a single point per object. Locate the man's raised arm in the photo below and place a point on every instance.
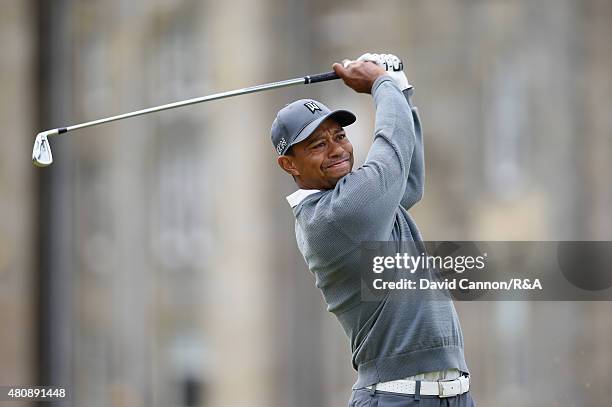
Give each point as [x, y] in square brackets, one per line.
[416, 175]
[367, 198]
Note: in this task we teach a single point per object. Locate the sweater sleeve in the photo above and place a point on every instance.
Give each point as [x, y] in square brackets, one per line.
[364, 202]
[416, 175]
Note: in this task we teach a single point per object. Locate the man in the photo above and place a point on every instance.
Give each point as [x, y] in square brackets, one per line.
[405, 352]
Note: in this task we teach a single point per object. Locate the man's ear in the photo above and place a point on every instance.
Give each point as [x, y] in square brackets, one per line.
[288, 165]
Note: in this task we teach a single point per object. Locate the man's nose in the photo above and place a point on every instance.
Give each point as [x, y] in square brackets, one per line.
[335, 149]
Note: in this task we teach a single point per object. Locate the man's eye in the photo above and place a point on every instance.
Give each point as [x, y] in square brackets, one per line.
[318, 145]
[341, 136]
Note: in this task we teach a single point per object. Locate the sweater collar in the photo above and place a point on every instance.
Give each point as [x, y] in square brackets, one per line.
[298, 196]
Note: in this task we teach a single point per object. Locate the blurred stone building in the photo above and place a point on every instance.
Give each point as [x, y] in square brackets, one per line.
[154, 263]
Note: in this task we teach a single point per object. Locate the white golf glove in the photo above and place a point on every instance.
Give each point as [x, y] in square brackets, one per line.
[392, 64]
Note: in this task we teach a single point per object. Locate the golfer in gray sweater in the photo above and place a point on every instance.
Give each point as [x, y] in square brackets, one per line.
[407, 352]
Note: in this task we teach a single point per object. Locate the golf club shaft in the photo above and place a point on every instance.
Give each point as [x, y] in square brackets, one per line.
[258, 88]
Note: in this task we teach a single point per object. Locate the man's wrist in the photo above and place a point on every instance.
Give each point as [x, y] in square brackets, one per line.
[379, 81]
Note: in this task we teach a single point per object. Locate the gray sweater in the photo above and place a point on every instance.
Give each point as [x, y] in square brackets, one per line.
[389, 339]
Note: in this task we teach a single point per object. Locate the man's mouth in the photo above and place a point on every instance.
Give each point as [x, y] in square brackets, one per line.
[339, 164]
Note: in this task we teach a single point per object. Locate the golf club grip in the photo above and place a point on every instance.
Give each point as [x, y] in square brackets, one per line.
[321, 77]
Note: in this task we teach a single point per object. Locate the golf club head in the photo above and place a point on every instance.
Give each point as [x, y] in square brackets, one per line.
[41, 152]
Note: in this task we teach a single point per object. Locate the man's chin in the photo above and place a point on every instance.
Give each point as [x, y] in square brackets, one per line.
[339, 170]
[336, 176]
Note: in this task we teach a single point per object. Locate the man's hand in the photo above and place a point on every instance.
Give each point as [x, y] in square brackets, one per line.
[359, 75]
[392, 64]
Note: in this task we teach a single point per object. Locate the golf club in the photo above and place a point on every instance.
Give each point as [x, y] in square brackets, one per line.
[41, 153]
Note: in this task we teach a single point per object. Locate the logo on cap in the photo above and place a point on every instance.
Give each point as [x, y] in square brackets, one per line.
[312, 106]
[281, 145]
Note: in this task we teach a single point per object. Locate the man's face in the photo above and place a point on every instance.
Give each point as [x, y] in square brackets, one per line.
[322, 159]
